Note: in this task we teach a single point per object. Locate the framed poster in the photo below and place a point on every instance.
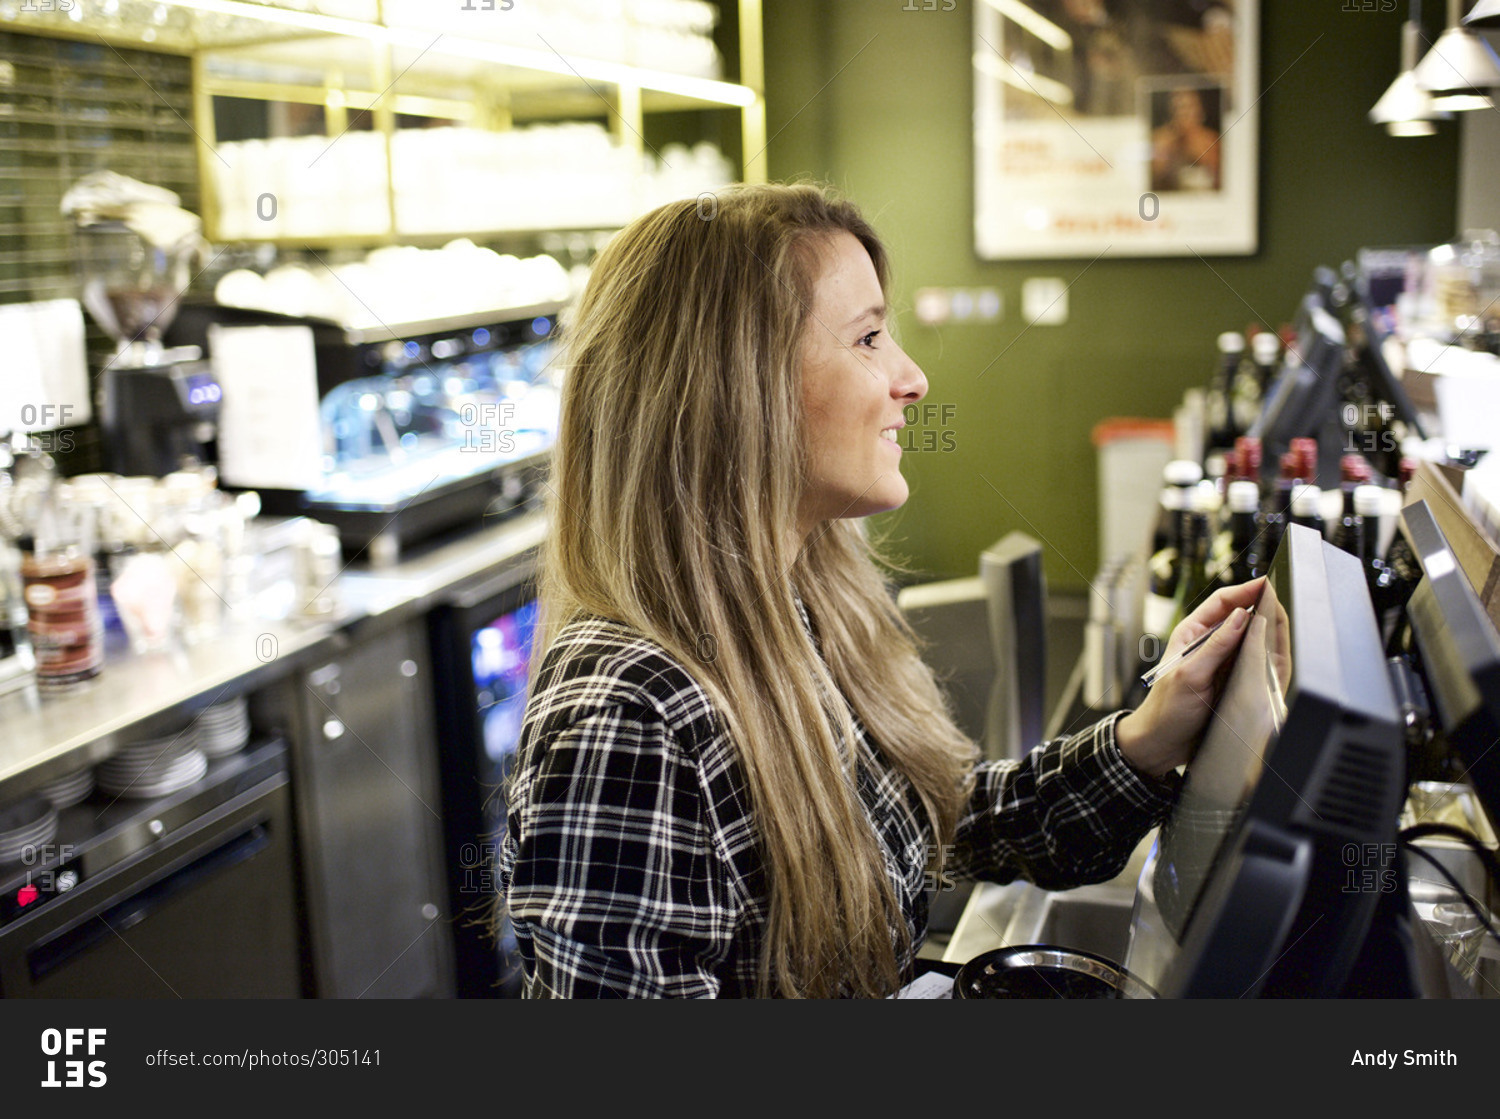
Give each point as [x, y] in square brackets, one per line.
[1117, 127]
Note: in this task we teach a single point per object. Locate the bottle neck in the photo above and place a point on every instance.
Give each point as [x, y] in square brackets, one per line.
[1242, 527]
[1194, 545]
[1350, 534]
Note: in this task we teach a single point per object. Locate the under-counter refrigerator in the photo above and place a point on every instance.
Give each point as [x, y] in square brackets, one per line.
[482, 644]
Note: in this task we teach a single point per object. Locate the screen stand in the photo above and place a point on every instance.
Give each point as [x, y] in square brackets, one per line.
[1389, 965]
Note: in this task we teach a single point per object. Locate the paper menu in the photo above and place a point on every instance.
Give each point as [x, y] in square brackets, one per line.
[270, 436]
[44, 381]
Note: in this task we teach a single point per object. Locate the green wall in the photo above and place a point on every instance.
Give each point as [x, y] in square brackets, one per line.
[888, 120]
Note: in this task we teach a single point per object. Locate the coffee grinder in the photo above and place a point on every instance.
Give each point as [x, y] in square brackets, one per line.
[158, 406]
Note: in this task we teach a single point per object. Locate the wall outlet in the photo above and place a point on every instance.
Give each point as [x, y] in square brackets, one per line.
[1044, 301]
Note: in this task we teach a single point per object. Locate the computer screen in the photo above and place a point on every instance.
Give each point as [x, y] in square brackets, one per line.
[1304, 399]
[1457, 650]
[1266, 878]
[1368, 343]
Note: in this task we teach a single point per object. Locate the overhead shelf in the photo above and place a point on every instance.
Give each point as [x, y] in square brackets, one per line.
[489, 69]
[261, 42]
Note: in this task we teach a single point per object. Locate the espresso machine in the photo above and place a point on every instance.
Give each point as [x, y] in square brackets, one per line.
[158, 406]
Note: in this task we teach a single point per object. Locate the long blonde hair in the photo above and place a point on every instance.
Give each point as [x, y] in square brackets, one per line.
[674, 498]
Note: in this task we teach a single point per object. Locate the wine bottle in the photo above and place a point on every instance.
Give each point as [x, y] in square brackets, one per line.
[1249, 388]
[1192, 580]
[1216, 473]
[1238, 552]
[1306, 450]
[1406, 470]
[1220, 399]
[1248, 453]
[1163, 568]
[1179, 478]
[1349, 534]
[1307, 508]
[1265, 353]
[1277, 506]
[1391, 578]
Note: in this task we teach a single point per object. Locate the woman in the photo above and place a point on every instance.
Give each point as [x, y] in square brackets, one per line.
[1184, 150]
[736, 774]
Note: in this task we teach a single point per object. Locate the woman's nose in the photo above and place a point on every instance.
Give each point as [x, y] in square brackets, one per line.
[910, 383]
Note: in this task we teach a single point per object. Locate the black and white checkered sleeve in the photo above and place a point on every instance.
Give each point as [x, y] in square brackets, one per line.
[1069, 813]
[613, 883]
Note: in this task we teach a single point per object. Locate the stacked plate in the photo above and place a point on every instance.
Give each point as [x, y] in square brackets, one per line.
[25, 824]
[224, 728]
[154, 767]
[70, 790]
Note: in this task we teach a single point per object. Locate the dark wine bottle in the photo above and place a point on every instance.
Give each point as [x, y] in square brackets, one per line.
[1238, 552]
[1265, 353]
[1245, 402]
[1193, 584]
[1307, 508]
[1276, 507]
[1163, 569]
[1349, 534]
[1220, 400]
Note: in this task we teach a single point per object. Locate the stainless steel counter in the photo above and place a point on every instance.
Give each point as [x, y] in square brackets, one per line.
[1091, 918]
[418, 581]
[45, 738]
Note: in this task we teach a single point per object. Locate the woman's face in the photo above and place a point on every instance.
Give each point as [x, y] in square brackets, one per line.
[855, 382]
[1187, 107]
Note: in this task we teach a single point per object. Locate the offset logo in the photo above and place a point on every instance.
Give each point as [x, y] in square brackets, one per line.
[73, 1045]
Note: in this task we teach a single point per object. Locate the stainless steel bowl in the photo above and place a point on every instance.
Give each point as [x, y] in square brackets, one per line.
[1045, 971]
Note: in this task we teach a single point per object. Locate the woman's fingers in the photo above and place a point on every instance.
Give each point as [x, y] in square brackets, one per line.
[1212, 611]
[1222, 602]
[1200, 668]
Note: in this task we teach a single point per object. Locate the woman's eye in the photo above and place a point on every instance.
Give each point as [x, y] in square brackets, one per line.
[869, 339]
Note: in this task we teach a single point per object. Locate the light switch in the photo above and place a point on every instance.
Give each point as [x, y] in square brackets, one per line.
[1044, 300]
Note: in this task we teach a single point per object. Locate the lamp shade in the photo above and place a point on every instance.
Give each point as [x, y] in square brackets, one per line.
[1406, 109]
[1460, 64]
[1486, 13]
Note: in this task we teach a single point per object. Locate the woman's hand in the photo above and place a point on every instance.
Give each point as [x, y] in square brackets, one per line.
[1163, 732]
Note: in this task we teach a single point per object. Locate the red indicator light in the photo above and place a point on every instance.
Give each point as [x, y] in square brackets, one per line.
[27, 894]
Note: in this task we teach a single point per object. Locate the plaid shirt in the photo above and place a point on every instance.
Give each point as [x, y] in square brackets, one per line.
[630, 864]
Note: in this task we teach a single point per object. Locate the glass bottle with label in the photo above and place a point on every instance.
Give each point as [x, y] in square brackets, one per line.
[1163, 568]
[1179, 479]
[1220, 399]
[1238, 552]
[1248, 453]
[1277, 507]
[1307, 508]
[1349, 534]
[1193, 584]
[1265, 353]
[1249, 389]
[1306, 450]
[1380, 576]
